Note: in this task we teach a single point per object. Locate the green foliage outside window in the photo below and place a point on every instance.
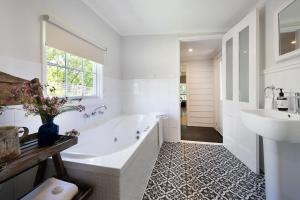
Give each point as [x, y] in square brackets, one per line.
[182, 88]
[71, 75]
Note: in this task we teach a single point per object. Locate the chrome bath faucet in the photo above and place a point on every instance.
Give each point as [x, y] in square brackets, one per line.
[95, 111]
[99, 110]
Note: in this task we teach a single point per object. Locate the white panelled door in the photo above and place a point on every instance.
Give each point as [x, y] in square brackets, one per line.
[240, 86]
[200, 94]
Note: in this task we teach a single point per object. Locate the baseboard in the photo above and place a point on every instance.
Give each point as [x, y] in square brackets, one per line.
[219, 131]
[200, 142]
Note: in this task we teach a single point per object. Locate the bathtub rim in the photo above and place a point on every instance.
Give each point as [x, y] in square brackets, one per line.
[109, 170]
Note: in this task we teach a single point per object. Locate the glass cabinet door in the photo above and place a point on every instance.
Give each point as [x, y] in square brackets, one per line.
[244, 65]
[229, 69]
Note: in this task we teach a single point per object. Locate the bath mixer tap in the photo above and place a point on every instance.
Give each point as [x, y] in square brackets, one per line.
[98, 110]
[95, 111]
[86, 116]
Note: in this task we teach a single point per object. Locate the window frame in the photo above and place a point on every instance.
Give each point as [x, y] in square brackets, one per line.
[99, 74]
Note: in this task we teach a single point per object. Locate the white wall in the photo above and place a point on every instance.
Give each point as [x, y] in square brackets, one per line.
[20, 51]
[218, 100]
[287, 78]
[283, 74]
[150, 72]
[148, 57]
[20, 29]
[20, 55]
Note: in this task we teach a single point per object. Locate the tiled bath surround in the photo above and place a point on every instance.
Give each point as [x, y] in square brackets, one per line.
[150, 73]
[150, 95]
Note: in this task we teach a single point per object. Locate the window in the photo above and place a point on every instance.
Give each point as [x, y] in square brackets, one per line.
[182, 91]
[182, 88]
[71, 75]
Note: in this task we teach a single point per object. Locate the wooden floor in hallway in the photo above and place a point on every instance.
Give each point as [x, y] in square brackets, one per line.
[200, 134]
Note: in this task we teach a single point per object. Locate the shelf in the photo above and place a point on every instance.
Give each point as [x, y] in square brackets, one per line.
[84, 190]
[32, 155]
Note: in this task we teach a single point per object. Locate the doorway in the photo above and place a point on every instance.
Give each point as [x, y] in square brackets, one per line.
[200, 87]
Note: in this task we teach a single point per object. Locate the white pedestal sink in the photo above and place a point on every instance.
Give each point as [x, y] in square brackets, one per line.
[281, 144]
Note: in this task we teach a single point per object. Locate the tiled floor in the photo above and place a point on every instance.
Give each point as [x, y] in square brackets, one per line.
[199, 171]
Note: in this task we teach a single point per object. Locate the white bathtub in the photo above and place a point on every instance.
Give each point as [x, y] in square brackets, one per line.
[116, 156]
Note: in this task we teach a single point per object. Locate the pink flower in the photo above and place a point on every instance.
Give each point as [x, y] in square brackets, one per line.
[80, 108]
[47, 107]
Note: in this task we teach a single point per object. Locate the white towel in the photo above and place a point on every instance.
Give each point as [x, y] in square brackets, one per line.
[46, 191]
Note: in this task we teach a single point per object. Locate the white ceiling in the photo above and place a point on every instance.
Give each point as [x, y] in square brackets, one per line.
[202, 50]
[140, 17]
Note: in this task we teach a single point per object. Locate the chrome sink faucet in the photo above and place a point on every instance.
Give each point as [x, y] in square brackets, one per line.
[272, 88]
[297, 102]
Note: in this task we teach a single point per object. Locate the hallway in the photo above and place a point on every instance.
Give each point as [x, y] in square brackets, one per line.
[200, 134]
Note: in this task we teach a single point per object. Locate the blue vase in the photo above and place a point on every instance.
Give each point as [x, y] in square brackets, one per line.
[48, 133]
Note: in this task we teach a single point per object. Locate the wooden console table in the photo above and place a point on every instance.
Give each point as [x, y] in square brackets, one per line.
[32, 155]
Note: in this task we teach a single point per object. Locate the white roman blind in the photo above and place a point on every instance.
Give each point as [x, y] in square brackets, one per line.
[60, 38]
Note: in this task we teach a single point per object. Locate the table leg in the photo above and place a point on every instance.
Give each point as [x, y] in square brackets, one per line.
[39, 177]
[59, 166]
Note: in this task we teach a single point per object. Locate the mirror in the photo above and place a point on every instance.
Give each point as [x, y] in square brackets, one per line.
[289, 28]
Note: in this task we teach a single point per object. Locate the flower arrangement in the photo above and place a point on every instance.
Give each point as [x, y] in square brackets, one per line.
[34, 103]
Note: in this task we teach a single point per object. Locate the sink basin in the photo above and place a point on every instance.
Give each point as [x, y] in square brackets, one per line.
[281, 147]
[274, 125]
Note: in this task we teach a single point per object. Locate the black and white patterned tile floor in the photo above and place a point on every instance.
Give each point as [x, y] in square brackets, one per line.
[190, 171]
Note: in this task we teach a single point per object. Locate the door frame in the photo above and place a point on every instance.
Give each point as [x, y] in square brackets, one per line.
[209, 36]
